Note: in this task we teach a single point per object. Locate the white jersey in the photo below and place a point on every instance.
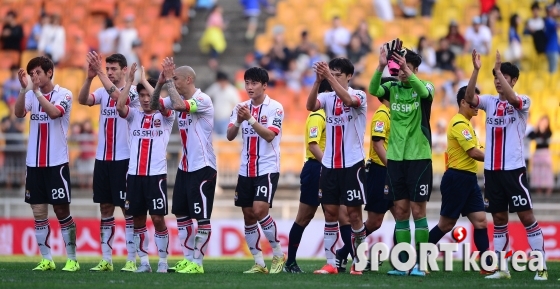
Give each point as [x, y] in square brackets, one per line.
[47, 145]
[149, 136]
[505, 131]
[195, 129]
[346, 127]
[112, 144]
[258, 156]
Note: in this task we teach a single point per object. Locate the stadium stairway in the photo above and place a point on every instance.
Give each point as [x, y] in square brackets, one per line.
[237, 47]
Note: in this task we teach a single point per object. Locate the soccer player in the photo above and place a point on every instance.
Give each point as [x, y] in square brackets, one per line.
[113, 153]
[460, 192]
[343, 167]
[504, 167]
[315, 138]
[147, 171]
[47, 178]
[260, 121]
[409, 153]
[195, 184]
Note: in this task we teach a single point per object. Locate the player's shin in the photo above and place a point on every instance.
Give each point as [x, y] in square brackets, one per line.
[421, 234]
[142, 240]
[68, 229]
[129, 238]
[186, 236]
[536, 240]
[435, 235]
[346, 236]
[358, 237]
[330, 239]
[294, 239]
[481, 242]
[162, 244]
[107, 229]
[43, 233]
[201, 240]
[501, 239]
[253, 237]
[269, 228]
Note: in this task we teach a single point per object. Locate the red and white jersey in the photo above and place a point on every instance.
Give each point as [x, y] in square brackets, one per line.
[195, 129]
[258, 156]
[505, 131]
[346, 127]
[47, 145]
[112, 144]
[149, 136]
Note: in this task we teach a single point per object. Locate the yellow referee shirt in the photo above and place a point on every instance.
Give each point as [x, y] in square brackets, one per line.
[461, 138]
[380, 127]
[315, 131]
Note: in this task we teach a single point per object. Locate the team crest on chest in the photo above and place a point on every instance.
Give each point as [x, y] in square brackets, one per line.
[157, 122]
[509, 109]
[264, 119]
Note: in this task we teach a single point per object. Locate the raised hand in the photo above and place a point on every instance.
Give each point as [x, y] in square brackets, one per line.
[142, 74]
[383, 56]
[498, 64]
[35, 81]
[322, 68]
[318, 75]
[401, 60]
[22, 76]
[131, 73]
[476, 60]
[94, 61]
[91, 73]
[168, 68]
[243, 113]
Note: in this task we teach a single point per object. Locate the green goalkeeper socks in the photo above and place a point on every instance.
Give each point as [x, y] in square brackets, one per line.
[421, 234]
[402, 232]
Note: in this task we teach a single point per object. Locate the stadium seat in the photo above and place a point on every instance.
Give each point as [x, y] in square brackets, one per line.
[8, 58]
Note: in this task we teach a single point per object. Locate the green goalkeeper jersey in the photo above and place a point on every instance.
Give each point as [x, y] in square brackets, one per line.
[410, 136]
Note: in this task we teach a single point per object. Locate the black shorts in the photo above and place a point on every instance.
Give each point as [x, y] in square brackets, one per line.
[376, 202]
[343, 186]
[109, 182]
[503, 189]
[250, 189]
[48, 185]
[409, 179]
[193, 193]
[309, 181]
[146, 193]
[460, 194]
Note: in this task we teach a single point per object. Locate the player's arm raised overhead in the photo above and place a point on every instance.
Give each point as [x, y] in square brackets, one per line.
[177, 102]
[94, 60]
[348, 100]
[375, 87]
[122, 106]
[471, 87]
[155, 103]
[145, 81]
[22, 105]
[507, 90]
[84, 97]
[312, 103]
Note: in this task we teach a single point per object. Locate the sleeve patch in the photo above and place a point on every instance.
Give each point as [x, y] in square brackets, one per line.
[313, 132]
[379, 126]
[467, 134]
[430, 87]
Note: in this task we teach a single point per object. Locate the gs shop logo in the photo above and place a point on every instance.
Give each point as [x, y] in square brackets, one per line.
[147, 133]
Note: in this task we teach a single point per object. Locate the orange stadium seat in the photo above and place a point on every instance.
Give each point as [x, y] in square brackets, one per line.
[103, 6]
[8, 58]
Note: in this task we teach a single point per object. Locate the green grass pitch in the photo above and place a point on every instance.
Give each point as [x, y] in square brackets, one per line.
[15, 272]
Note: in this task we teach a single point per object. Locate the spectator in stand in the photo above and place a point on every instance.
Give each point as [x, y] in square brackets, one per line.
[428, 54]
[478, 37]
[108, 38]
[127, 36]
[384, 10]
[252, 10]
[492, 19]
[426, 7]
[35, 35]
[542, 176]
[303, 46]
[336, 39]
[445, 58]
[439, 138]
[154, 69]
[452, 86]
[527, 146]
[362, 32]
[514, 51]
[52, 42]
[305, 65]
[222, 92]
[357, 55]
[486, 6]
[293, 76]
[12, 33]
[11, 87]
[168, 5]
[14, 162]
[535, 28]
[213, 41]
[456, 40]
[552, 48]
[279, 53]
[75, 55]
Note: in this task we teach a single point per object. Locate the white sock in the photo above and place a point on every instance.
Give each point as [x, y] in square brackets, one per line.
[129, 238]
[535, 238]
[162, 244]
[501, 239]
[43, 233]
[331, 236]
[269, 228]
[358, 237]
[186, 236]
[253, 237]
[142, 240]
[107, 230]
[68, 229]
[201, 240]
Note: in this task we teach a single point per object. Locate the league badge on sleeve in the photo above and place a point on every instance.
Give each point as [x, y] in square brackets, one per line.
[379, 126]
[467, 134]
[279, 112]
[313, 132]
